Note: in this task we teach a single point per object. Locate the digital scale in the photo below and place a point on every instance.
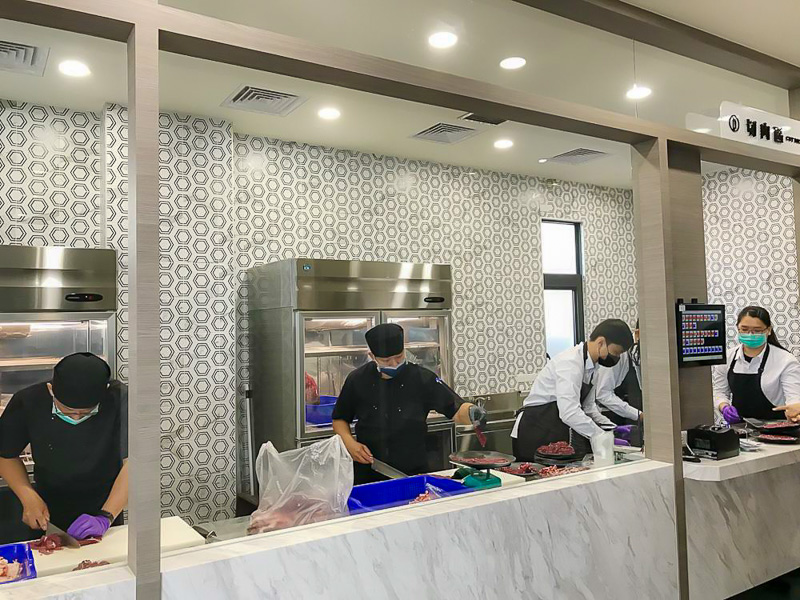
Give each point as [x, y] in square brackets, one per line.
[474, 467]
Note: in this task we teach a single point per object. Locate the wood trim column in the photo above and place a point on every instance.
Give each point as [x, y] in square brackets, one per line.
[794, 112]
[144, 544]
[660, 379]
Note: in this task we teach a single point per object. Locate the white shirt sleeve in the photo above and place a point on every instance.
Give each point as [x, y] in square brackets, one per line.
[606, 384]
[719, 383]
[590, 408]
[568, 393]
[790, 381]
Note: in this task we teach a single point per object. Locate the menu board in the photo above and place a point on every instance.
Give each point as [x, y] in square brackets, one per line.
[701, 334]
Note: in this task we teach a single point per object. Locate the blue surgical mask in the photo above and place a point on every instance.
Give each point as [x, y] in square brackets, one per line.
[72, 421]
[392, 371]
[753, 340]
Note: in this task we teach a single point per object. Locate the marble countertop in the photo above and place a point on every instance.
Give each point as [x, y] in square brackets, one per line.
[767, 457]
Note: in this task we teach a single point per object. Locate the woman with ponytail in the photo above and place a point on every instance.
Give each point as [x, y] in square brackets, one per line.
[760, 375]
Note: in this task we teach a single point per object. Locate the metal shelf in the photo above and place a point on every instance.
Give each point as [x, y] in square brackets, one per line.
[33, 363]
[344, 350]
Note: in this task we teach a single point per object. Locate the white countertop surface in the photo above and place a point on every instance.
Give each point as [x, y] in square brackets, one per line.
[768, 456]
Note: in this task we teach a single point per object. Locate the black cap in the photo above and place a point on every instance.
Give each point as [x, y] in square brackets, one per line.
[81, 380]
[385, 340]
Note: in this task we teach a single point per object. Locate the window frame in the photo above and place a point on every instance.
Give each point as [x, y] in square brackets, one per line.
[572, 282]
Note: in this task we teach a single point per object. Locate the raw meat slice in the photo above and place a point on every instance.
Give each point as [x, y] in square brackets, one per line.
[88, 564]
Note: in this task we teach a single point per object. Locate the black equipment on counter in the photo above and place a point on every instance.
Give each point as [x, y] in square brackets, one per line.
[711, 441]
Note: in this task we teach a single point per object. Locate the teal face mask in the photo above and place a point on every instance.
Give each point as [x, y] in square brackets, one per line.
[753, 340]
[72, 421]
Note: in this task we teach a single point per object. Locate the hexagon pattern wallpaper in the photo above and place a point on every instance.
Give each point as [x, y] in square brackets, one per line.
[751, 249]
[49, 176]
[229, 202]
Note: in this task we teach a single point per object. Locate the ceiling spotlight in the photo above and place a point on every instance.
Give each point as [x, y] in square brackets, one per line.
[74, 68]
[702, 130]
[637, 92]
[329, 113]
[513, 62]
[503, 144]
[443, 39]
[542, 161]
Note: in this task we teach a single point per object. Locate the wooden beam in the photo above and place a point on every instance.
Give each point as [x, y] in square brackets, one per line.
[109, 20]
[634, 23]
[144, 547]
[655, 279]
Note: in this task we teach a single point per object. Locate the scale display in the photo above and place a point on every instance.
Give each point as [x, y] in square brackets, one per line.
[701, 334]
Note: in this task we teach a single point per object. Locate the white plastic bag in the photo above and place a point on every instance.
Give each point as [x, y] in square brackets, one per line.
[302, 486]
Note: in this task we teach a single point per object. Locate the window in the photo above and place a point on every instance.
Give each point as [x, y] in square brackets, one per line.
[563, 285]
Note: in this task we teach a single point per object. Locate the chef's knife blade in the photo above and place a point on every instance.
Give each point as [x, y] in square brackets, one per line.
[388, 470]
[66, 539]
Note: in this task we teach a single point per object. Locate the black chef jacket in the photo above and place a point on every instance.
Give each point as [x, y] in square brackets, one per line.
[75, 465]
[392, 413]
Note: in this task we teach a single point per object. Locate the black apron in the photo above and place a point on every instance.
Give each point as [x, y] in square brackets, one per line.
[748, 397]
[630, 391]
[541, 425]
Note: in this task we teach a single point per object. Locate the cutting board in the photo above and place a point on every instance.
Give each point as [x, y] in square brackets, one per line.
[175, 535]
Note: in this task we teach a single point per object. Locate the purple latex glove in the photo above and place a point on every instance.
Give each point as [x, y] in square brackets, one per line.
[730, 414]
[623, 431]
[619, 442]
[88, 526]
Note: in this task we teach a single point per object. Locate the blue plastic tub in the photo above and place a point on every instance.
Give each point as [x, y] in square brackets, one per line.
[397, 492]
[322, 413]
[22, 554]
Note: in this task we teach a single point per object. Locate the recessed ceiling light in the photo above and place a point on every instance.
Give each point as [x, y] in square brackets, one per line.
[723, 118]
[542, 161]
[503, 144]
[329, 113]
[637, 92]
[702, 130]
[74, 68]
[513, 62]
[443, 39]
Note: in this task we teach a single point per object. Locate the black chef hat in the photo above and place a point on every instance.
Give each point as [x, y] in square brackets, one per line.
[385, 340]
[81, 380]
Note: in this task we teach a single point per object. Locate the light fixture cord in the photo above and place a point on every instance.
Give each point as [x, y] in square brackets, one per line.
[635, 81]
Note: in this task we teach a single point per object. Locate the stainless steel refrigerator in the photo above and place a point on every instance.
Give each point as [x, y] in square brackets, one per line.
[53, 302]
[307, 320]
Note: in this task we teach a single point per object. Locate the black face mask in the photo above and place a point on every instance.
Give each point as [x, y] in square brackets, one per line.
[608, 361]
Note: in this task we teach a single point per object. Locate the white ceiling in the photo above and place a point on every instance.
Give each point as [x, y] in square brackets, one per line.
[769, 26]
[565, 60]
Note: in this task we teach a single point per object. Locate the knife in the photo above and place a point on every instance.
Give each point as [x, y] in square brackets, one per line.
[388, 470]
[66, 539]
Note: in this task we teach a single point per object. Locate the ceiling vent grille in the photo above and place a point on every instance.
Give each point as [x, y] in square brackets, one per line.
[260, 100]
[481, 119]
[578, 156]
[22, 58]
[445, 133]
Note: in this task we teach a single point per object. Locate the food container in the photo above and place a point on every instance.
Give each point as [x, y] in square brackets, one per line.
[322, 413]
[398, 492]
[22, 554]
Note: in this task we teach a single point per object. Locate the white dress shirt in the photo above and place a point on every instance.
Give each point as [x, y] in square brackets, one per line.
[780, 381]
[560, 382]
[608, 380]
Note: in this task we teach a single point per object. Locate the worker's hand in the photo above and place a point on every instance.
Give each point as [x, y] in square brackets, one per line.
[88, 526]
[730, 414]
[477, 414]
[623, 432]
[359, 452]
[34, 511]
[792, 412]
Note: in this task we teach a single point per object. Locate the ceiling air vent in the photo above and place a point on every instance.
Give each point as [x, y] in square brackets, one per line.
[266, 102]
[577, 156]
[481, 119]
[22, 58]
[444, 133]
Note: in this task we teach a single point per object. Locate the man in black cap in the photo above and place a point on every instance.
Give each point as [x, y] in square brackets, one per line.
[391, 399]
[77, 427]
